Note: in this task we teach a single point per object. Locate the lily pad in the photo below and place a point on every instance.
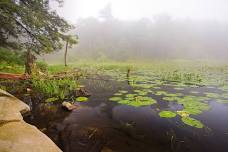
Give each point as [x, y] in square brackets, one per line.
[117, 94]
[122, 91]
[51, 99]
[167, 114]
[81, 99]
[183, 113]
[115, 98]
[192, 122]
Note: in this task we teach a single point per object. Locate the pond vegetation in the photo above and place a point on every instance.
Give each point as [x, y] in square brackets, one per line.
[178, 94]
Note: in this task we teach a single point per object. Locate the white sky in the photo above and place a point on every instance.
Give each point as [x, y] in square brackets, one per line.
[135, 9]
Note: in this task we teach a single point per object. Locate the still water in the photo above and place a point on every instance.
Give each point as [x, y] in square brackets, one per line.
[100, 125]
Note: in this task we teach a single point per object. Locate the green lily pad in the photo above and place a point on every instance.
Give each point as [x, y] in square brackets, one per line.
[192, 122]
[183, 113]
[167, 114]
[170, 98]
[222, 101]
[117, 94]
[130, 95]
[212, 95]
[123, 91]
[51, 99]
[81, 99]
[178, 88]
[115, 98]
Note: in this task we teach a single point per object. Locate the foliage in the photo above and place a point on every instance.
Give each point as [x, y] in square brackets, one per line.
[60, 88]
[11, 57]
[43, 66]
[33, 24]
[137, 100]
[180, 76]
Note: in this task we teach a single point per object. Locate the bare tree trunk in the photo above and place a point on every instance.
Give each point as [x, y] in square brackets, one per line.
[65, 55]
[29, 62]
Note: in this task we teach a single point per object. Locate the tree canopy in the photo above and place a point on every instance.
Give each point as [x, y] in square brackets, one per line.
[31, 24]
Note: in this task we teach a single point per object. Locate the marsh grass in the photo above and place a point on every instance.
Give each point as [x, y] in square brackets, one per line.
[60, 88]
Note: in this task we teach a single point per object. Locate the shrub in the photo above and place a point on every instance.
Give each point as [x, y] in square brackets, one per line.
[42, 66]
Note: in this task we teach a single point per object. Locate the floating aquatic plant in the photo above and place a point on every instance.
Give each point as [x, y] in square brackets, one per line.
[192, 122]
[51, 99]
[117, 94]
[123, 91]
[167, 114]
[115, 98]
[171, 98]
[212, 95]
[81, 99]
[183, 113]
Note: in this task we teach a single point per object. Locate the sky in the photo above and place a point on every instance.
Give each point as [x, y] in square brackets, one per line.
[136, 9]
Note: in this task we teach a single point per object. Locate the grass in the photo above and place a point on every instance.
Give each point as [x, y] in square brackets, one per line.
[55, 87]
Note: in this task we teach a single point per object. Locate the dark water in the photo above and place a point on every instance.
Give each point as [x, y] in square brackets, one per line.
[100, 125]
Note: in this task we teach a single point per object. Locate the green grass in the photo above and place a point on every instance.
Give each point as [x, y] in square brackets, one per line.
[55, 87]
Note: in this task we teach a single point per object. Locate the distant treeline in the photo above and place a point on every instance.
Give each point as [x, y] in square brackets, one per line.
[160, 37]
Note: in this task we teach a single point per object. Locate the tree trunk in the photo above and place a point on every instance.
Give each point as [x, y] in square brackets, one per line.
[29, 62]
[65, 55]
[14, 76]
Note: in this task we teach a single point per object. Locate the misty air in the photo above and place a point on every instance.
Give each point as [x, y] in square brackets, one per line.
[113, 76]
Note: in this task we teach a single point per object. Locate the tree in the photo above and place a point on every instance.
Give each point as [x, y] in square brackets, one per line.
[31, 25]
[70, 40]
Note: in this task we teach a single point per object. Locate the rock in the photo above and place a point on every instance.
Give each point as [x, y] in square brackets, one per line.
[68, 106]
[15, 134]
[22, 137]
[28, 90]
[11, 108]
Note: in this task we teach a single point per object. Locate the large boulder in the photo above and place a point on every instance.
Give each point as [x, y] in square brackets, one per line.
[15, 134]
[22, 137]
[11, 108]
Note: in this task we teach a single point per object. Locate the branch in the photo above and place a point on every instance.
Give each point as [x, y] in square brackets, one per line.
[29, 32]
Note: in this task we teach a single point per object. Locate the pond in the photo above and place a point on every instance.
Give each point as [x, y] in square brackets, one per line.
[141, 113]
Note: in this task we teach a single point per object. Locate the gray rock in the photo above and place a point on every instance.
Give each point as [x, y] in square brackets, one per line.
[15, 134]
[11, 108]
[22, 137]
[68, 106]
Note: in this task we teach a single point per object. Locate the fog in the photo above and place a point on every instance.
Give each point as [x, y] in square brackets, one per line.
[123, 30]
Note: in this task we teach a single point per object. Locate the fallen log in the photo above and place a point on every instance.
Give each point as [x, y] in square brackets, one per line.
[14, 76]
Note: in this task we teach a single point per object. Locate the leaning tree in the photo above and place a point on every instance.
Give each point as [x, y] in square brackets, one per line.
[33, 26]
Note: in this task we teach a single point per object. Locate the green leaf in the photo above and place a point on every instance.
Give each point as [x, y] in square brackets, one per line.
[167, 114]
[81, 99]
[192, 122]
